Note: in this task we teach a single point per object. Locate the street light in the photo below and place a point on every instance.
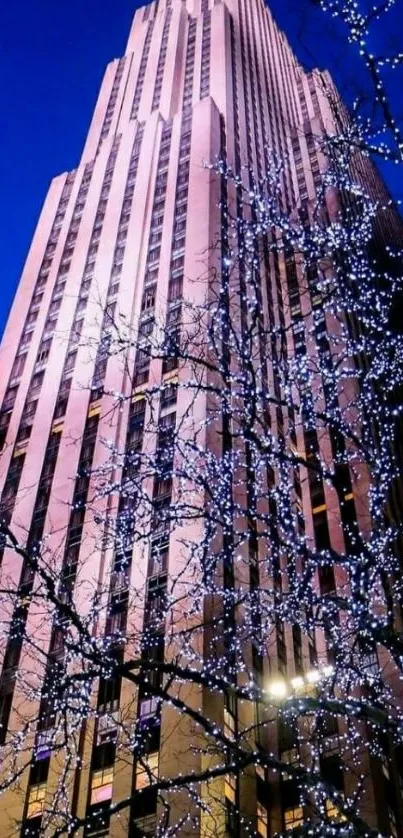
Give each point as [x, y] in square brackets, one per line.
[280, 688]
[277, 688]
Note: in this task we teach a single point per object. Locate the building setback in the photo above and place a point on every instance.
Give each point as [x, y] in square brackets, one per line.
[131, 230]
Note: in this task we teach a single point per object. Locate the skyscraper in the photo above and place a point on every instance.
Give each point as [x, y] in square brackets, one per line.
[125, 238]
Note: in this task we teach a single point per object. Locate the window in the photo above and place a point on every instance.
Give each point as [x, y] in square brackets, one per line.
[36, 800]
[76, 330]
[230, 787]
[262, 820]
[321, 530]
[101, 784]
[293, 817]
[116, 622]
[59, 288]
[146, 770]
[32, 828]
[163, 486]
[172, 347]
[174, 315]
[5, 420]
[9, 398]
[177, 263]
[44, 351]
[24, 432]
[297, 645]
[36, 299]
[229, 724]
[175, 289]
[155, 237]
[156, 604]
[169, 396]
[18, 366]
[146, 327]
[141, 374]
[281, 653]
[113, 290]
[143, 355]
[158, 561]
[148, 707]
[230, 805]
[290, 757]
[327, 579]
[153, 255]
[31, 318]
[70, 361]
[149, 298]
[332, 771]
[5, 710]
[119, 254]
[333, 811]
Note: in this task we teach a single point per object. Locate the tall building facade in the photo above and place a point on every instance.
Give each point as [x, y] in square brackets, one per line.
[131, 231]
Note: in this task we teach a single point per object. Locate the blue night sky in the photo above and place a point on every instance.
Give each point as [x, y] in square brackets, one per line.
[52, 58]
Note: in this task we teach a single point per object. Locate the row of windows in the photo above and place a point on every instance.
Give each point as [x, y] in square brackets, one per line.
[268, 115]
[34, 309]
[122, 232]
[153, 253]
[142, 71]
[235, 104]
[112, 101]
[205, 57]
[48, 257]
[146, 768]
[48, 331]
[251, 108]
[189, 67]
[302, 100]
[48, 706]
[146, 772]
[16, 633]
[104, 749]
[118, 602]
[88, 272]
[10, 490]
[175, 286]
[161, 61]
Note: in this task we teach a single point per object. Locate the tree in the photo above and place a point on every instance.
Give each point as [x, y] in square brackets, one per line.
[376, 126]
[286, 374]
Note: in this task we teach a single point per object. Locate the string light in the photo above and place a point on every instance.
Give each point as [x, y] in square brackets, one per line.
[301, 405]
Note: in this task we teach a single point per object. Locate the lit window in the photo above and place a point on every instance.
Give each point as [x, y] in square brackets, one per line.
[148, 707]
[290, 757]
[36, 800]
[101, 784]
[261, 820]
[146, 770]
[229, 724]
[333, 811]
[293, 817]
[230, 787]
